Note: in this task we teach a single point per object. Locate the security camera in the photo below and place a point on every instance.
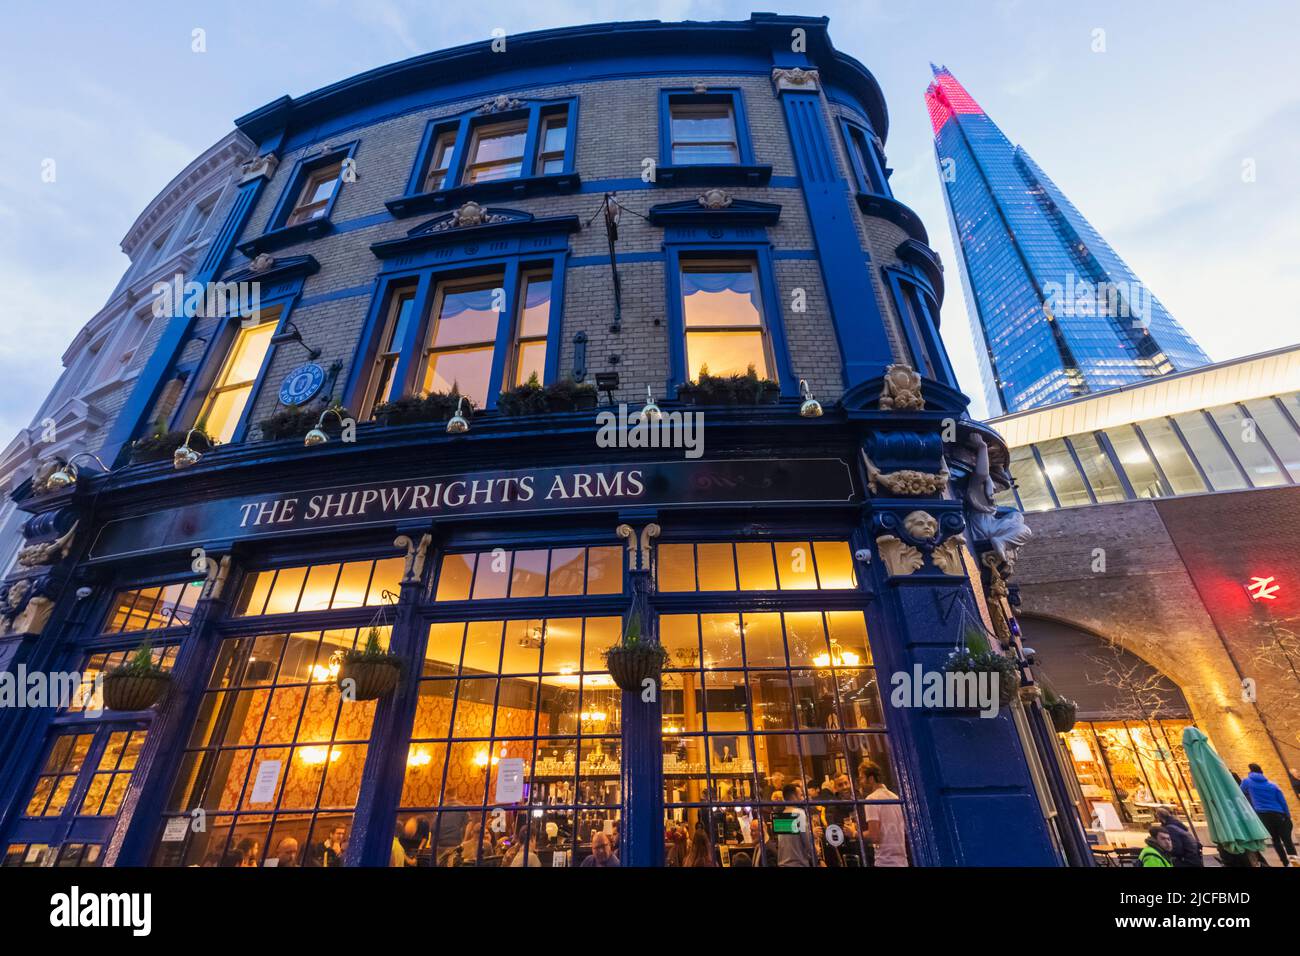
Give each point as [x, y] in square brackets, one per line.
[84, 592]
[863, 555]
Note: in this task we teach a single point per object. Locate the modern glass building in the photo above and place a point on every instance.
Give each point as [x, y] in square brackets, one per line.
[613, 205]
[1162, 574]
[1226, 427]
[1055, 312]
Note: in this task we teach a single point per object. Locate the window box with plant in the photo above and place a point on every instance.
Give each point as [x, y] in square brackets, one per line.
[138, 684]
[978, 657]
[636, 658]
[533, 398]
[414, 409]
[370, 672]
[747, 389]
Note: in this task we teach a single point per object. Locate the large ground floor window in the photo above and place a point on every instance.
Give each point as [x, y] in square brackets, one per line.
[774, 744]
[1129, 769]
[515, 751]
[275, 757]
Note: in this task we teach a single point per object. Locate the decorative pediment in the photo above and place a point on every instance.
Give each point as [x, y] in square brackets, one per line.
[473, 221]
[469, 216]
[267, 269]
[715, 207]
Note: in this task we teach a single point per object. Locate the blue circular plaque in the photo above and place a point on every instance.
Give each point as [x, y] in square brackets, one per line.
[302, 384]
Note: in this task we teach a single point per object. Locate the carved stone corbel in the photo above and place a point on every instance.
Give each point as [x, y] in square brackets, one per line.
[415, 555]
[261, 167]
[947, 556]
[797, 79]
[906, 482]
[215, 578]
[900, 558]
[47, 552]
[638, 547]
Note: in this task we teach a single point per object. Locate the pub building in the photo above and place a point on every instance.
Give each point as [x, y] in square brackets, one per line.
[400, 446]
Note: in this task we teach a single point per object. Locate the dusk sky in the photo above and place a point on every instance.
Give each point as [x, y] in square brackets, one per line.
[1148, 138]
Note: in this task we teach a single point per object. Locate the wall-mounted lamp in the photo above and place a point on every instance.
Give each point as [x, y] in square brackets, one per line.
[290, 333]
[317, 435]
[607, 382]
[650, 412]
[185, 456]
[67, 473]
[458, 424]
[811, 408]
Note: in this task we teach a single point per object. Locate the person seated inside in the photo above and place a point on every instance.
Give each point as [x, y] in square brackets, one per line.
[286, 853]
[602, 852]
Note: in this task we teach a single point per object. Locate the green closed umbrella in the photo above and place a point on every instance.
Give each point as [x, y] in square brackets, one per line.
[1234, 826]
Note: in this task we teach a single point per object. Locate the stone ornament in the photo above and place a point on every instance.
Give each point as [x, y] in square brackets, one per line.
[902, 389]
[469, 215]
[263, 167]
[262, 263]
[41, 479]
[996, 597]
[415, 555]
[715, 199]
[947, 557]
[24, 608]
[796, 78]
[701, 87]
[1004, 529]
[215, 578]
[47, 552]
[638, 547]
[921, 525]
[499, 104]
[921, 534]
[900, 558]
[906, 482]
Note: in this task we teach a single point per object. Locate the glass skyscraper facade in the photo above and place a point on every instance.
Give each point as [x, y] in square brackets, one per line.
[1056, 313]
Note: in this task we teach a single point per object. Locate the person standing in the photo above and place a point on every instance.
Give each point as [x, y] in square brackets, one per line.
[1186, 847]
[1270, 806]
[795, 848]
[1159, 849]
[885, 830]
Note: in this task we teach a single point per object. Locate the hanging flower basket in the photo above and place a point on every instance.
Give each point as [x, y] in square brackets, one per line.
[960, 662]
[1064, 714]
[134, 691]
[634, 659]
[631, 665]
[373, 678]
[137, 684]
[371, 672]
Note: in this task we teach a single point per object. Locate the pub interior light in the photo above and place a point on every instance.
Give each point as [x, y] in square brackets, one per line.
[67, 473]
[650, 413]
[458, 424]
[811, 408]
[317, 435]
[185, 456]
